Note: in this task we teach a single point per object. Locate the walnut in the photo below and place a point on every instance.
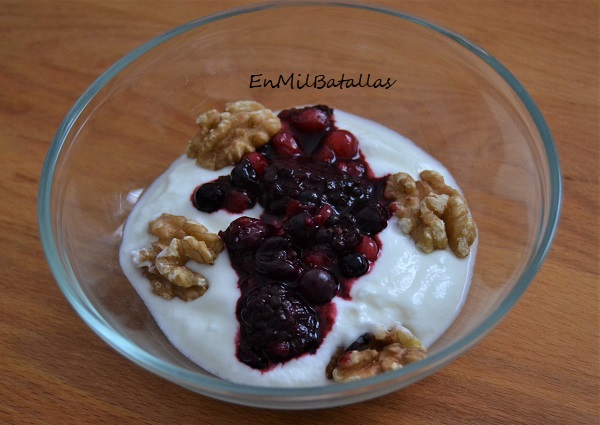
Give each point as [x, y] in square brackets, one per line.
[373, 354]
[179, 240]
[460, 227]
[434, 214]
[225, 137]
[200, 245]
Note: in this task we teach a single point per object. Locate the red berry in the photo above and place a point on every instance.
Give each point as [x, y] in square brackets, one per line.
[310, 120]
[343, 143]
[294, 207]
[259, 162]
[285, 144]
[238, 200]
[354, 168]
[346, 359]
[322, 215]
[368, 247]
[324, 154]
[246, 233]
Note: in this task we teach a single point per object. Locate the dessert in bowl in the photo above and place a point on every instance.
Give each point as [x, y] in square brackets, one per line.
[455, 102]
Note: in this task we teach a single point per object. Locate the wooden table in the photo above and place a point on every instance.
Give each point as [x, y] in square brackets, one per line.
[540, 366]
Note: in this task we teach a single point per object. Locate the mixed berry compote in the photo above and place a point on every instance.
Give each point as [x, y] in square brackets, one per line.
[323, 209]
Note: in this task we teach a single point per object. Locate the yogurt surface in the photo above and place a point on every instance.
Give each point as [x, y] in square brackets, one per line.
[422, 292]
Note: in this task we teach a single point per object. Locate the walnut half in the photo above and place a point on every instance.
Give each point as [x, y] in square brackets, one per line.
[179, 240]
[434, 214]
[373, 354]
[225, 137]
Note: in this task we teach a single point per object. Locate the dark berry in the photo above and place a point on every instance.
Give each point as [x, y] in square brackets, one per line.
[318, 286]
[277, 258]
[284, 144]
[209, 197]
[354, 264]
[311, 119]
[309, 196]
[239, 200]
[346, 221]
[246, 233]
[342, 143]
[249, 357]
[341, 233]
[363, 342]
[372, 219]
[344, 240]
[249, 283]
[244, 175]
[276, 325]
[300, 227]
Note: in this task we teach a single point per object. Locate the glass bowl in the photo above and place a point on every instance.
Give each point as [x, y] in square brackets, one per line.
[450, 97]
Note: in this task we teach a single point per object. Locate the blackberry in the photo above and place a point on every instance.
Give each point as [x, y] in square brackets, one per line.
[276, 258]
[341, 233]
[276, 325]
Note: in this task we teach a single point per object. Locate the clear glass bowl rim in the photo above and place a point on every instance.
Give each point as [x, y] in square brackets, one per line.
[63, 273]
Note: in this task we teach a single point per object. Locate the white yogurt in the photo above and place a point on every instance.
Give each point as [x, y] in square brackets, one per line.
[422, 292]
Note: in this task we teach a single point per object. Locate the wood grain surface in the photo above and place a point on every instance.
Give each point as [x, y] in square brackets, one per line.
[539, 366]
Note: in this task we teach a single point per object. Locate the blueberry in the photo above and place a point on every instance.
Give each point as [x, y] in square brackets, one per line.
[209, 197]
[244, 175]
[318, 286]
[354, 264]
[300, 228]
[372, 219]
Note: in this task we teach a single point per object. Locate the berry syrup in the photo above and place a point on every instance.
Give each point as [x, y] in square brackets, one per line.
[323, 209]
